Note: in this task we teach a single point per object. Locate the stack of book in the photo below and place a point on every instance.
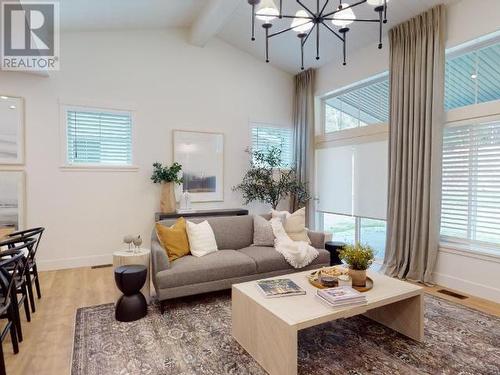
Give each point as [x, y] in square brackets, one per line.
[341, 296]
[279, 288]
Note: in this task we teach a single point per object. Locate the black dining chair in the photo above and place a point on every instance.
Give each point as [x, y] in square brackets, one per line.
[34, 233]
[21, 276]
[8, 268]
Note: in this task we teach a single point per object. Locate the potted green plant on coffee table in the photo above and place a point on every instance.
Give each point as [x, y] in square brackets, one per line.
[359, 258]
[167, 177]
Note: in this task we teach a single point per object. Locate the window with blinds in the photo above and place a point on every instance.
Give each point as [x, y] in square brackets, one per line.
[95, 136]
[265, 137]
[471, 184]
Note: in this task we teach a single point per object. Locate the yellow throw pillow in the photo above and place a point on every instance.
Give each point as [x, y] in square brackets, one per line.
[174, 239]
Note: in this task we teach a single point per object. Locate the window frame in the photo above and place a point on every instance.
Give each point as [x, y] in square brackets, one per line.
[482, 112]
[357, 227]
[261, 124]
[66, 166]
[466, 48]
[377, 78]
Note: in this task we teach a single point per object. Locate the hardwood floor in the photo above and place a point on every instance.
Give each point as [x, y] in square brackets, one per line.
[48, 338]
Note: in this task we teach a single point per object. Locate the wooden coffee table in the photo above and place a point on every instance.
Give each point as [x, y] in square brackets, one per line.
[267, 327]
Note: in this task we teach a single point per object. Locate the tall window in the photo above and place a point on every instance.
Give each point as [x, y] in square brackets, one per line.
[363, 104]
[98, 137]
[470, 213]
[267, 136]
[471, 183]
[352, 167]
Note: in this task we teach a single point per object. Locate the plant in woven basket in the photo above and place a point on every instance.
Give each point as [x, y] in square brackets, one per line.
[268, 180]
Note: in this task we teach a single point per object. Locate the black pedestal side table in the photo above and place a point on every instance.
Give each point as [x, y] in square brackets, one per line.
[333, 248]
[132, 304]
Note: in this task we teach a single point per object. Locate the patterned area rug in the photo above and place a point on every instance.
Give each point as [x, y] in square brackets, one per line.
[194, 337]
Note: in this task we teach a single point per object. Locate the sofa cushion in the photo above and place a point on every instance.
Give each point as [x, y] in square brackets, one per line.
[231, 232]
[268, 259]
[219, 265]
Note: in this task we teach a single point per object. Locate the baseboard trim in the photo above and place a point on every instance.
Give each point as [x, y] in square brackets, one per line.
[59, 264]
[467, 286]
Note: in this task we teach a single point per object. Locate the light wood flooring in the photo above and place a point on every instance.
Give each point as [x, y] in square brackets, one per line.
[48, 338]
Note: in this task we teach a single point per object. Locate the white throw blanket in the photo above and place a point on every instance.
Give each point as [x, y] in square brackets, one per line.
[298, 253]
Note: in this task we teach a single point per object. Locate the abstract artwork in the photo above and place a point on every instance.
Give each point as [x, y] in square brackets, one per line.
[202, 158]
[11, 130]
[11, 199]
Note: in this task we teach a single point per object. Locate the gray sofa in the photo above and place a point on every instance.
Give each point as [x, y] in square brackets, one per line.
[236, 261]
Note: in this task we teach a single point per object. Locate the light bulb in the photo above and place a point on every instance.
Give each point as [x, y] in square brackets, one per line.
[344, 17]
[376, 3]
[301, 25]
[267, 11]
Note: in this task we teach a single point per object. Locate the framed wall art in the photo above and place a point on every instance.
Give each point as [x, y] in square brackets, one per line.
[202, 158]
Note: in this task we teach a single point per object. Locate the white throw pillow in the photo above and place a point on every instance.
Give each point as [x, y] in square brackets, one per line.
[201, 238]
[294, 224]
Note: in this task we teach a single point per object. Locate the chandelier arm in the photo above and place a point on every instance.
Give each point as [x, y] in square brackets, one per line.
[324, 6]
[346, 7]
[301, 54]
[267, 44]
[298, 17]
[307, 36]
[351, 19]
[306, 8]
[385, 11]
[344, 48]
[380, 30]
[253, 21]
[285, 30]
[317, 41]
[333, 31]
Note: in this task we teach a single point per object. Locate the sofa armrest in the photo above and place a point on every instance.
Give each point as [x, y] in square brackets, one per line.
[159, 259]
[318, 239]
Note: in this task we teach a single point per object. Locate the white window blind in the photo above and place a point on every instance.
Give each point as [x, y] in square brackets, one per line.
[98, 137]
[471, 183]
[352, 180]
[265, 137]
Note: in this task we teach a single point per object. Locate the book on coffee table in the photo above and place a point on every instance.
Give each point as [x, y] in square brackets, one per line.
[279, 288]
[341, 296]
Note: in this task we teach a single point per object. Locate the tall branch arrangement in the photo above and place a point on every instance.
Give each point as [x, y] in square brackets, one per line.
[268, 181]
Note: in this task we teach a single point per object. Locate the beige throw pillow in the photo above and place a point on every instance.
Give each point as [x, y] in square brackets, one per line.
[263, 234]
[294, 224]
[201, 238]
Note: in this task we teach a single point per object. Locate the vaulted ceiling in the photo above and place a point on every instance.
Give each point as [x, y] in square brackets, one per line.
[230, 21]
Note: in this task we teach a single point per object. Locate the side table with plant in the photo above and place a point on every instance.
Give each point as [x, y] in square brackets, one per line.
[167, 177]
[359, 258]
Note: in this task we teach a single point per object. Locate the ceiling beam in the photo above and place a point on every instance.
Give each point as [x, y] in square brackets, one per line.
[211, 19]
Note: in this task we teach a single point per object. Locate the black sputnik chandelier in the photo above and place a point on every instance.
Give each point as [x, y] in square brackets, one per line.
[306, 20]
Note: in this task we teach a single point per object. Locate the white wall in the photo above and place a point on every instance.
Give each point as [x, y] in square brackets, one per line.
[169, 84]
[473, 275]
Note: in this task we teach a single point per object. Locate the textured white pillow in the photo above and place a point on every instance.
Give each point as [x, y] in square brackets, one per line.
[201, 238]
[294, 224]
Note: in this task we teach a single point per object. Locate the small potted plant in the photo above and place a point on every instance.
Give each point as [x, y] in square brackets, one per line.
[359, 258]
[167, 177]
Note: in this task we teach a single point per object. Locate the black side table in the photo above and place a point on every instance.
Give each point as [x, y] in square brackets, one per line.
[132, 305]
[333, 248]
